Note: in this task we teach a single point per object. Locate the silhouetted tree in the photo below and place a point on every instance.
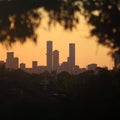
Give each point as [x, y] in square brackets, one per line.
[104, 16]
[19, 18]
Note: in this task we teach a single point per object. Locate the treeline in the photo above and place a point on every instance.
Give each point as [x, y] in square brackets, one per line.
[88, 94]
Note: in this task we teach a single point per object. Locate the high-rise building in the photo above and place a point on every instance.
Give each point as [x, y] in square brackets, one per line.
[15, 63]
[71, 57]
[11, 61]
[49, 56]
[55, 59]
[10, 55]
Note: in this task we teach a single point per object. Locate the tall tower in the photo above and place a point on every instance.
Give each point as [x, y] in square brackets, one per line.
[55, 59]
[49, 56]
[16, 62]
[71, 57]
[9, 60]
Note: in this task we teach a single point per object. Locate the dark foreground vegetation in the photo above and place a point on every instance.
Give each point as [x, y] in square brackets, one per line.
[87, 95]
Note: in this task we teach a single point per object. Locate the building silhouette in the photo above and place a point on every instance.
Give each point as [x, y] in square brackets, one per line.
[42, 69]
[52, 62]
[64, 67]
[22, 66]
[49, 56]
[55, 60]
[34, 64]
[11, 61]
[92, 66]
[71, 57]
[16, 63]
[35, 68]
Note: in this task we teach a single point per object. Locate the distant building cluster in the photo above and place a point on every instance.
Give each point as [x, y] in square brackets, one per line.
[53, 59]
[52, 62]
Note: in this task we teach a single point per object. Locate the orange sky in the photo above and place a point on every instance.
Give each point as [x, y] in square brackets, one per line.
[87, 49]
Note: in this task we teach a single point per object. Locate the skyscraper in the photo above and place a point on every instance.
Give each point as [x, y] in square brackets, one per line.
[10, 55]
[15, 63]
[71, 57]
[55, 59]
[49, 56]
[11, 61]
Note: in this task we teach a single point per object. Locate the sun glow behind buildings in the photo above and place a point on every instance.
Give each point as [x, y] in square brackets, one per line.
[87, 49]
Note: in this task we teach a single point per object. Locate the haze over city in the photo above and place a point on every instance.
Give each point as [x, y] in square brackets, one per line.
[52, 62]
[87, 50]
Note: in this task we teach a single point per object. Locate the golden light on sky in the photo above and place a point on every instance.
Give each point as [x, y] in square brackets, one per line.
[87, 49]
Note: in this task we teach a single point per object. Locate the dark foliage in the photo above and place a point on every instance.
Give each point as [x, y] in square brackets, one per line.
[19, 18]
[92, 95]
[104, 16]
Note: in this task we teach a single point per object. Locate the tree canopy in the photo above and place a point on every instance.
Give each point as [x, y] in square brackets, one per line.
[19, 18]
[104, 15]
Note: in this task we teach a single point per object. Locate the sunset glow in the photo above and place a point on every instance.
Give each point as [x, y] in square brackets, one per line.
[87, 49]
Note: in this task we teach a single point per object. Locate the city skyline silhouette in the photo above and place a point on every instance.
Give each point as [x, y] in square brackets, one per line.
[52, 62]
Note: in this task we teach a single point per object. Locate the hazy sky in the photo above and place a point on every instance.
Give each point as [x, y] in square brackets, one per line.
[87, 49]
